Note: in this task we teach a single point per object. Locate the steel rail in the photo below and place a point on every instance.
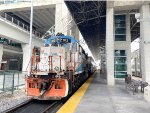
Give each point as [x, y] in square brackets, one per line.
[49, 107]
[35, 107]
[18, 106]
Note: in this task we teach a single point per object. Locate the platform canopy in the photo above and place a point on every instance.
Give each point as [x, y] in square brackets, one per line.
[91, 21]
[90, 17]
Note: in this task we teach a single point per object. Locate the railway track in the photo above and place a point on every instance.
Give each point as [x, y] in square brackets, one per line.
[38, 106]
[35, 106]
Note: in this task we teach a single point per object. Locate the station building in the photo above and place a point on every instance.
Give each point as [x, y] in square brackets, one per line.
[108, 26]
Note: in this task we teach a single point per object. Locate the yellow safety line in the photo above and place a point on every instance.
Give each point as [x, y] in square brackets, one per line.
[72, 103]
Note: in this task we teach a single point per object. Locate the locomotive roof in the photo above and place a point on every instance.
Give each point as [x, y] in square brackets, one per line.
[72, 39]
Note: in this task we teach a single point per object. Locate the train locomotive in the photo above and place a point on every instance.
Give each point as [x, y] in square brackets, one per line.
[60, 68]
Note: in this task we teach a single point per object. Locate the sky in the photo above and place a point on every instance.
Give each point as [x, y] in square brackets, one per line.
[84, 45]
[135, 45]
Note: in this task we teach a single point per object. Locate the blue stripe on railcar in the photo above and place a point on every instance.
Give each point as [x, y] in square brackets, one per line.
[79, 68]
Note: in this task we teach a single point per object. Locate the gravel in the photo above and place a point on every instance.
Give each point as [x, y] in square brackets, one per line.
[7, 100]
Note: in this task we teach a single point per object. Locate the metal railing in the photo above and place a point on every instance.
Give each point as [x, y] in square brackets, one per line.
[18, 23]
[11, 81]
[65, 23]
[12, 1]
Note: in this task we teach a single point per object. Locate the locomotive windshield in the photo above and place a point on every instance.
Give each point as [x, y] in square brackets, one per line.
[59, 40]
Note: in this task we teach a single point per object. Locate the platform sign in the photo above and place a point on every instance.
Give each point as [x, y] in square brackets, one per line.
[8, 82]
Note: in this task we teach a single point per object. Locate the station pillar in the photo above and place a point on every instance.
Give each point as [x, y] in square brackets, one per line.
[110, 43]
[75, 32]
[145, 42]
[62, 17]
[128, 44]
[1, 53]
[26, 58]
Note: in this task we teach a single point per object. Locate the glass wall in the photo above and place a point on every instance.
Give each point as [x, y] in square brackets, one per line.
[120, 68]
[120, 28]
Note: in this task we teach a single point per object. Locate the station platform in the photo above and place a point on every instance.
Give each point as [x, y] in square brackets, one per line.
[95, 96]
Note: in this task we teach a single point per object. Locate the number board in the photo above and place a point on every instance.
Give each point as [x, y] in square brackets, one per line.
[62, 40]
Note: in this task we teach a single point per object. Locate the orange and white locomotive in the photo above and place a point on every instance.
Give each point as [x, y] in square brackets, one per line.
[58, 70]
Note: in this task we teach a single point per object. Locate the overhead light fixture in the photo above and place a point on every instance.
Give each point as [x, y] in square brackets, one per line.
[137, 16]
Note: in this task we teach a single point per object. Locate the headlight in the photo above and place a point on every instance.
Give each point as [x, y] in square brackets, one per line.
[56, 68]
